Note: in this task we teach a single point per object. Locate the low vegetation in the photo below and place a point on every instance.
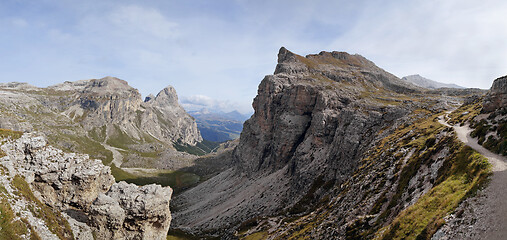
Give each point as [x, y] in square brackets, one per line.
[490, 129]
[13, 227]
[464, 173]
[465, 113]
[55, 221]
[6, 133]
[178, 180]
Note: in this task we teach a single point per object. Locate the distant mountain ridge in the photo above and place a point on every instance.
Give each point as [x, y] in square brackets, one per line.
[219, 126]
[420, 81]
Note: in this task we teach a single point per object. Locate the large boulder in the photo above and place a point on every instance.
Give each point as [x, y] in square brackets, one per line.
[497, 95]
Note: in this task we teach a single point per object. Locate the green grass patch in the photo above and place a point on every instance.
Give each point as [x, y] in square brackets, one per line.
[465, 113]
[178, 180]
[81, 144]
[56, 223]
[465, 172]
[11, 227]
[6, 133]
[176, 234]
[256, 236]
[120, 139]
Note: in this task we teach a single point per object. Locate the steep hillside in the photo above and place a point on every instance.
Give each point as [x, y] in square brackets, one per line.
[482, 121]
[105, 118]
[335, 142]
[46, 193]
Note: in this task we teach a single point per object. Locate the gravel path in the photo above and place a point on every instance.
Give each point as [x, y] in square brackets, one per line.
[117, 157]
[485, 215]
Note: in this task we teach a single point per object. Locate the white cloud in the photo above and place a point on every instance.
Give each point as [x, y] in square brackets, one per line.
[448, 41]
[139, 21]
[198, 102]
[19, 22]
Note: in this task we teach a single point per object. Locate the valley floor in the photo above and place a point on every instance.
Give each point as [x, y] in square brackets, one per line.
[485, 215]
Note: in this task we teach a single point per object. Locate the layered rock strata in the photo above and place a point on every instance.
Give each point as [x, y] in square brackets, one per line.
[497, 95]
[86, 189]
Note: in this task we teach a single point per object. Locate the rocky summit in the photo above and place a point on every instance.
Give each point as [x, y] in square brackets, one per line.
[337, 148]
[84, 200]
[105, 118]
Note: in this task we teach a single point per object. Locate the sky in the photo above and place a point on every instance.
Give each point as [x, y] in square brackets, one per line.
[215, 53]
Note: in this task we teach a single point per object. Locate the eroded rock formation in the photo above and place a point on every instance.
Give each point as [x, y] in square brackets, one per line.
[497, 95]
[73, 182]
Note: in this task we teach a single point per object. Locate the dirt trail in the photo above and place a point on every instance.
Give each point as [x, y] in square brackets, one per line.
[490, 210]
[117, 157]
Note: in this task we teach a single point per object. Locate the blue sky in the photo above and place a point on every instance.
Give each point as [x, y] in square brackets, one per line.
[215, 53]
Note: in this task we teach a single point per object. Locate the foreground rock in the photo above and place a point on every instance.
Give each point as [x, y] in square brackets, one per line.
[85, 189]
[497, 95]
[131, 212]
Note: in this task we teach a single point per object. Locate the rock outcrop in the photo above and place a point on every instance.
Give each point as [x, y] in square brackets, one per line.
[112, 102]
[101, 116]
[497, 95]
[74, 183]
[315, 150]
[314, 118]
[127, 211]
[165, 119]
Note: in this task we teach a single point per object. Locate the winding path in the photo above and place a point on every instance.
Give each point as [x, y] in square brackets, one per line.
[491, 210]
[498, 162]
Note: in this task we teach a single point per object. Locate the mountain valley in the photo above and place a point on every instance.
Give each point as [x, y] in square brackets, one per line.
[337, 148]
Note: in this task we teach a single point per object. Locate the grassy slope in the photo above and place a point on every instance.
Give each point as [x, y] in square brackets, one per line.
[464, 171]
[5, 133]
[13, 227]
[55, 221]
[468, 170]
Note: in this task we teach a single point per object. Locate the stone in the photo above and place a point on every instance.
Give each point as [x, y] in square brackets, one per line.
[497, 95]
[73, 182]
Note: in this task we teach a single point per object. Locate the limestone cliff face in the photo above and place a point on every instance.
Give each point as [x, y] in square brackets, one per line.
[99, 115]
[337, 147]
[497, 95]
[314, 118]
[164, 118]
[111, 101]
[306, 120]
[85, 190]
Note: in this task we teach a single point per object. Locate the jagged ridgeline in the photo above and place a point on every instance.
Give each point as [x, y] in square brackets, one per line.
[107, 119]
[337, 148]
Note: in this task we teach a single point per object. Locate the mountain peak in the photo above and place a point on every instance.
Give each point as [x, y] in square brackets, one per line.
[167, 95]
[285, 56]
[108, 85]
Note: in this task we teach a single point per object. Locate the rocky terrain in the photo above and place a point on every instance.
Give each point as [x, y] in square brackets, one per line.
[337, 148]
[107, 119]
[427, 83]
[49, 194]
[483, 215]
